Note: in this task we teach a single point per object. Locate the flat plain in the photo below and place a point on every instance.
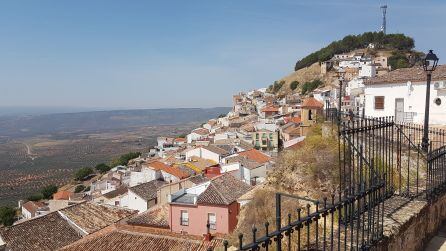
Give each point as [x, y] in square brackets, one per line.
[29, 161]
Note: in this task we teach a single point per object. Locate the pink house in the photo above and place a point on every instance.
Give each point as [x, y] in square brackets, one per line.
[214, 203]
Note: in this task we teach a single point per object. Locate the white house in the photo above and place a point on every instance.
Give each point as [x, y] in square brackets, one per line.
[32, 209]
[245, 169]
[197, 134]
[401, 93]
[146, 174]
[355, 87]
[210, 152]
[368, 70]
[144, 196]
[118, 197]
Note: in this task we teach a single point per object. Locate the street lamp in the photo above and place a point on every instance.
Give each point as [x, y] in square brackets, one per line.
[429, 64]
[340, 74]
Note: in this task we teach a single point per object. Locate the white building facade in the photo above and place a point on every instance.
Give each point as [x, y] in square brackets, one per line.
[404, 98]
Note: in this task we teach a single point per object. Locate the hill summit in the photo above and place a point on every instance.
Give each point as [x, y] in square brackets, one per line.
[397, 49]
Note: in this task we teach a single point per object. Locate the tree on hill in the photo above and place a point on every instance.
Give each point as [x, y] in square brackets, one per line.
[35, 197]
[124, 159]
[351, 42]
[102, 168]
[48, 191]
[294, 85]
[7, 216]
[398, 60]
[310, 86]
[83, 173]
[275, 87]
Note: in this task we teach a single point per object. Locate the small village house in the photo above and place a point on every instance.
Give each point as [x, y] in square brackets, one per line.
[214, 203]
[401, 93]
[144, 196]
[32, 209]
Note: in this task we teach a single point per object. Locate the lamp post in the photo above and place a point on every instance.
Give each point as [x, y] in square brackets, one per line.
[340, 75]
[429, 64]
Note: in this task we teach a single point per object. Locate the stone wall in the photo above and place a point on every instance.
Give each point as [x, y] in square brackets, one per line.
[410, 225]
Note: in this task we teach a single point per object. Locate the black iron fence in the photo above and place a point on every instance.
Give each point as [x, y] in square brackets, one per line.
[378, 158]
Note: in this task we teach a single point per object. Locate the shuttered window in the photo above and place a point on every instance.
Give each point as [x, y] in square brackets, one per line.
[379, 102]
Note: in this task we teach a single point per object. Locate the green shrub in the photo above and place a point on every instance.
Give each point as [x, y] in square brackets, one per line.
[124, 159]
[35, 197]
[83, 173]
[48, 191]
[294, 85]
[310, 86]
[7, 216]
[102, 168]
[79, 188]
[398, 60]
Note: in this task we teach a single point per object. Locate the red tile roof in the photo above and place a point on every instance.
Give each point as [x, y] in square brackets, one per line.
[62, 195]
[270, 109]
[33, 206]
[312, 103]
[160, 166]
[121, 239]
[256, 155]
[296, 120]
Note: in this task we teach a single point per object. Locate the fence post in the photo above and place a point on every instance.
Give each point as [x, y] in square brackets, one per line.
[278, 220]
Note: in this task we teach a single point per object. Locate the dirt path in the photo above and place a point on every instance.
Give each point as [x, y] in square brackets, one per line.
[29, 152]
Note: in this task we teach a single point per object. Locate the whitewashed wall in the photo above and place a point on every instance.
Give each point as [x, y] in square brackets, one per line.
[136, 203]
[414, 101]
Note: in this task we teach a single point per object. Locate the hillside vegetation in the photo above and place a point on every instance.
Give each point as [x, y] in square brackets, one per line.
[349, 43]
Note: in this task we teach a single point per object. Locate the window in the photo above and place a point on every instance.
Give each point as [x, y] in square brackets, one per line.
[212, 220]
[184, 218]
[379, 102]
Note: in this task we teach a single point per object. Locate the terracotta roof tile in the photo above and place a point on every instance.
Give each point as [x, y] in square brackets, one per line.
[117, 192]
[148, 190]
[312, 103]
[156, 217]
[33, 206]
[414, 74]
[296, 119]
[142, 241]
[62, 195]
[223, 190]
[216, 149]
[270, 109]
[160, 166]
[92, 217]
[48, 232]
[256, 155]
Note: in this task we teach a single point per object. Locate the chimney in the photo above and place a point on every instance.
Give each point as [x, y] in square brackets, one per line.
[208, 236]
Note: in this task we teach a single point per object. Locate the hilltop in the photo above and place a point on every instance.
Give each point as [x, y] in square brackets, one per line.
[307, 75]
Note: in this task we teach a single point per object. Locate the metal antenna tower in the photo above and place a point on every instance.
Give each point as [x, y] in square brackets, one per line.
[383, 26]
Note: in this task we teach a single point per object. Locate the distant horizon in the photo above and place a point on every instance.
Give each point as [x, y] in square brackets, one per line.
[43, 110]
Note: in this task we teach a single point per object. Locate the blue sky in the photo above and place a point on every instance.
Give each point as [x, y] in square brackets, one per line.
[148, 54]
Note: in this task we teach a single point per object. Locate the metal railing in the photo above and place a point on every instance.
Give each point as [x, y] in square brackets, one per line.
[378, 159]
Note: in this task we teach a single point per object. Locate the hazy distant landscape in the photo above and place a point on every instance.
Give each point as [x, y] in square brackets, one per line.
[37, 150]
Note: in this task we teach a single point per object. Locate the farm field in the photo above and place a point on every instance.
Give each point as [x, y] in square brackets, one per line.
[28, 164]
